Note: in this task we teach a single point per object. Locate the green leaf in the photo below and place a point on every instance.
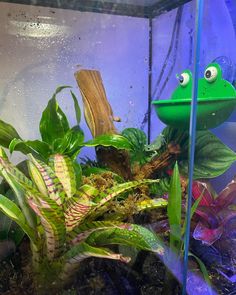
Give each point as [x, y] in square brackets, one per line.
[36, 147]
[203, 270]
[193, 209]
[52, 220]
[78, 206]
[7, 134]
[82, 251]
[8, 228]
[110, 194]
[5, 221]
[71, 143]
[212, 156]
[78, 174]
[131, 235]
[81, 232]
[151, 204]
[37, 178]
[77, 108]
[53, 123]
[64, 170]
[174, 208]
[14, 177]
[54, 187]
[13, 211]
[115, 140]
[138, 140]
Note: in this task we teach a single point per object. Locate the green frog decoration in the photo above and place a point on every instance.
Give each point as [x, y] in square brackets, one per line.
[216, 100]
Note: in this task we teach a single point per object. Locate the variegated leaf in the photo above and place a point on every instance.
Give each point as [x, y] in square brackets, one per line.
[64, 170]
[78, 206]
[151, 204]
[37, 178]
[120, 188]
[81, 232]
[54, 187]
[7, 166]
[52, 220]
[82, 251]
[108, 195]
[131, 235]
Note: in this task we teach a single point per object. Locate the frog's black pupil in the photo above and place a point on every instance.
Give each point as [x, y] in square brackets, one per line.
[181, 79]
[208, 74]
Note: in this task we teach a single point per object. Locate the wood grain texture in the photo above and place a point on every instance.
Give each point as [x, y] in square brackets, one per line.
[97, 110]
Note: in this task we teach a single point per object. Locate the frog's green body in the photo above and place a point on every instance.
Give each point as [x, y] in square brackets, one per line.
[216, 101]
[156, 144]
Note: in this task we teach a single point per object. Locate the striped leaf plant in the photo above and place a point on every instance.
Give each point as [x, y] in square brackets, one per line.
[57, 216]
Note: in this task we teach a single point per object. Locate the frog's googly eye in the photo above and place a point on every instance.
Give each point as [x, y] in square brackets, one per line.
[184, 78]
[211, 74]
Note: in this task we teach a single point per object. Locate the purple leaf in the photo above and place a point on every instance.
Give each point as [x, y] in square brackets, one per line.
[207, 235]
[201, 189]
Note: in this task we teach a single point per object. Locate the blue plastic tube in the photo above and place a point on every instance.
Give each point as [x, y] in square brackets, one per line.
[192, 134]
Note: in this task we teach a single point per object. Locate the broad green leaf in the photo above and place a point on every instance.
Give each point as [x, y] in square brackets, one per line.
[7, 134]
[174, 208]
[75, 139]
[82, 251]
[64, 170]
[77, 108]
[212, 156]
[131, 235]
[71, 143]
[36, 147]
[9, 208]
[138, 140]
[115, 140]
[53, 123]
[78, 206]
[54, 187]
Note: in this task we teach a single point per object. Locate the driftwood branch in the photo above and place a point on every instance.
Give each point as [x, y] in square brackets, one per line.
[99, 117]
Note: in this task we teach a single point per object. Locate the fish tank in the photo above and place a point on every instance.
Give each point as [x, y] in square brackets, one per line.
[117, 147]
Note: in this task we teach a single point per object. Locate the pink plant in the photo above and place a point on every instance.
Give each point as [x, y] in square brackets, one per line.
[214, 212]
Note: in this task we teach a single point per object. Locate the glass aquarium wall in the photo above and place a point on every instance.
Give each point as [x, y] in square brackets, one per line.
[95, 147]
[212, 228]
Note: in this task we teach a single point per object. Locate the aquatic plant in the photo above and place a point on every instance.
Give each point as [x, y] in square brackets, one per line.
[214, 211]
[62, 221]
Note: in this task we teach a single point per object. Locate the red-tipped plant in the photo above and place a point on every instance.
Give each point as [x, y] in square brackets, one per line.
[214, 212]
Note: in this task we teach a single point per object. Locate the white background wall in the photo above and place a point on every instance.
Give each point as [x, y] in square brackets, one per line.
[40, 49]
